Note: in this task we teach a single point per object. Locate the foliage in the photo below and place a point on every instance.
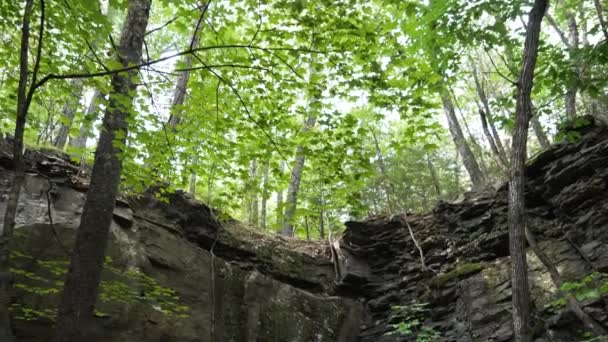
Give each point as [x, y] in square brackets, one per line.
[410, 321]
[128, 287]
[592, 286]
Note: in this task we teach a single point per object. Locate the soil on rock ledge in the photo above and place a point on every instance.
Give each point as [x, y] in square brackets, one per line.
[241, 285]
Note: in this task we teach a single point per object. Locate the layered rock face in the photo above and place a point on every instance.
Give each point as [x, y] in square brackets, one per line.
[240, 285]
[465, 243]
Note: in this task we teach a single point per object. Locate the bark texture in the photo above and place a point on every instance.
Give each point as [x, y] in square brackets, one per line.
[6, 333]
[68, 112]
[81, 286]
[468, 158]
[87, 122]
[517, 215]
[291, 201]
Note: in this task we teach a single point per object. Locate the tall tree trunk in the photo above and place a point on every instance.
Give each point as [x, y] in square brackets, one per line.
[6, 333]
[87, 122]
[517, 215]
[600, 15]
[279, 210]
[306, 227]
[487, 121]
[81, 286]
[68, 112]
[540, 132]
[253, 195]
[388, 185]
[181, 87]
[263, 209]
[322, 224]
[468, 158]
[291, 201]
[433, 176]
[570, 97]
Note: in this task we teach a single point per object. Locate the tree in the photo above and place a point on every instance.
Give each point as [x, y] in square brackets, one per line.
[24, 98]
[517, 215]
[81, 285]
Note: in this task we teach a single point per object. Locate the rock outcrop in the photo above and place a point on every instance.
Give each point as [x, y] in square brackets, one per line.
[240, 285]
[237, 285]
[465, 242]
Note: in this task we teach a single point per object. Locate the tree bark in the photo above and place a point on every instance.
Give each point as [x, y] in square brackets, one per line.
[540, 132]
[6, 333]
[468, 158]
[517, 215]
[68, 112]
[570, 97]
[600, 15]
[322, 224]
[181, 87]
[87, 122]
[279, 210]
[263, 209]
[433, 176]
[487, 121]
[253, 195]
[81, 286]
[296, 176]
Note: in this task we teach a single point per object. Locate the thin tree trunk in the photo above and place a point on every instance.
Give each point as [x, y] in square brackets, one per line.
[253, 195]
[322, 224]
[68, 112]
[468, 158]
[306, 227]
[86, 125]
[388, 185]
[487, 121]
[81, 286]
[6, 333]
[572, 303]
[433, 176]
[600, 15]
[570, 97]
[296, 176]
[263, 209]
[279, 210]
[517, 216]
[540, 132]
[192, 188]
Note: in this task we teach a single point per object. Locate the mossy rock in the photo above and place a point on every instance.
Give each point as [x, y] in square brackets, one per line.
[461, 271]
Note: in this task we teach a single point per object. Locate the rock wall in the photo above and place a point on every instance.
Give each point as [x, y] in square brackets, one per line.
[238, 285]
[465, 243]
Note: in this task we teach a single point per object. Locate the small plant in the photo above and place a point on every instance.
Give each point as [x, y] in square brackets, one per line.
[592, 286]
[410, 321]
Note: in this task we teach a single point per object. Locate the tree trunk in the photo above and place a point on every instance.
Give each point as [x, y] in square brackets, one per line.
[81, 286]
[253, 195]
[322, 224]
[468, 158]
[540, 132]
[517, 218]
[388, 185]
[306, 227]
[68, 112]
[600, 15]
[6, 333]
[487, 122]
[263, 209]
[296, 176]
[181, 87]
[433, 176]
[87, 122]
[570, 97]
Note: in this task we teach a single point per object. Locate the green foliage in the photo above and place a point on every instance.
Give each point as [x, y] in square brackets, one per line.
[410, 321]
[592, 286]
[125, 287]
